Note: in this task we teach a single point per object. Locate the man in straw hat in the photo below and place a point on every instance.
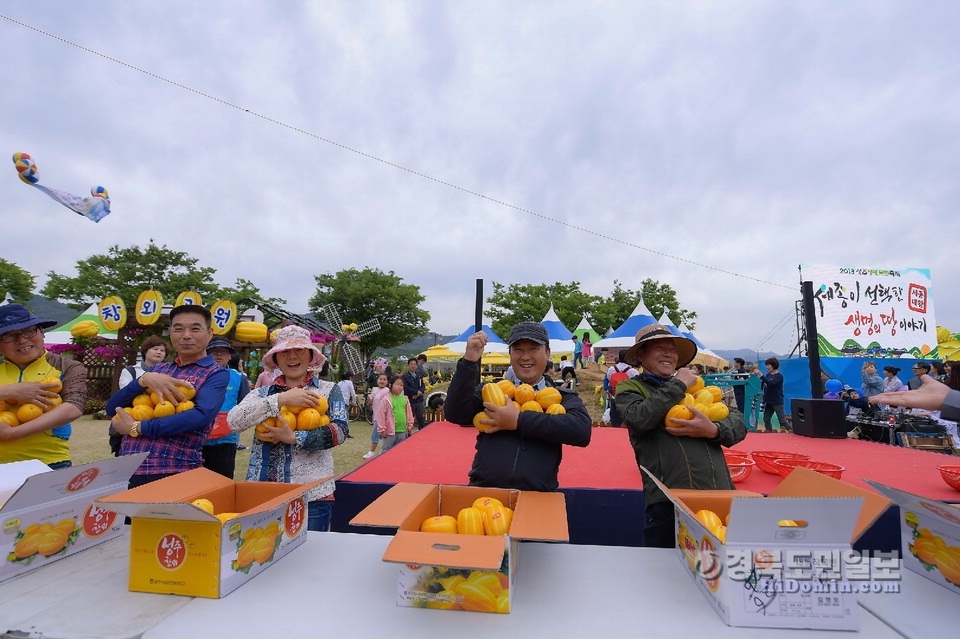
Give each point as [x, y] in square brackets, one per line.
[49, 390]
[684, 456]
[517, 450]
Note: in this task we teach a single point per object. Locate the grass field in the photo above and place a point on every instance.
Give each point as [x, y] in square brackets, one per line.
[89, 443]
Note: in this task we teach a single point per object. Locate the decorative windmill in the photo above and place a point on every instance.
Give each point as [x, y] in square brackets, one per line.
[342, 348]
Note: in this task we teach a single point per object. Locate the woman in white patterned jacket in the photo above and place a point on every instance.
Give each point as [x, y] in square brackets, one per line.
[281, 453]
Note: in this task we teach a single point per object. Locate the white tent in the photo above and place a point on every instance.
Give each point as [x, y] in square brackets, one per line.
[561, 339]
[626, 334]
[494, 345]
[61, 334]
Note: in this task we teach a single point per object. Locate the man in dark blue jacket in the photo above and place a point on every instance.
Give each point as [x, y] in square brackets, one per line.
[519, 449]
[773, 396]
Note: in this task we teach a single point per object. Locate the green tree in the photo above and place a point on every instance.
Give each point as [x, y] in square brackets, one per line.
[660, 298]
[16, 281]
[520, 302]
[372, 294]
[127, 272]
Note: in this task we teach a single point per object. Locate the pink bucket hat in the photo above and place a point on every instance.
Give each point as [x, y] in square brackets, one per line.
[287, 339]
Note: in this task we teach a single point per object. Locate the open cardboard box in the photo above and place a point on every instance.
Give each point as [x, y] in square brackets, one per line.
[50, 514]
[460, 572]
[930, 536]
[771, 575]
[179, 548]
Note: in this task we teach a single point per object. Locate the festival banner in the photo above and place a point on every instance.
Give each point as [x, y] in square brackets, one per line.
[873, 312]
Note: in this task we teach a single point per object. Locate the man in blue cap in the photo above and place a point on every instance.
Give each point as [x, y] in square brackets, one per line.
[62, 395]
[220, 449]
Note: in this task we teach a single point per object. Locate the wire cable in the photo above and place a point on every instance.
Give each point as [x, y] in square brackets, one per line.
[394, 165]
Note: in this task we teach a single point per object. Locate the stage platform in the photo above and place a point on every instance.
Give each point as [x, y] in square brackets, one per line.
[603, 486]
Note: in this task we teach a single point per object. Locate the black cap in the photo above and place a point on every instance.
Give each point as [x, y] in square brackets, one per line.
[219, 342]
[533, 331]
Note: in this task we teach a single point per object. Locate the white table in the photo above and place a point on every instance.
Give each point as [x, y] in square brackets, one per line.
[921, 608]
[84, 595]
[336, 585]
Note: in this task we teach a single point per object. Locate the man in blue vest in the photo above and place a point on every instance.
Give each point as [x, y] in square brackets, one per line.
[220, 449]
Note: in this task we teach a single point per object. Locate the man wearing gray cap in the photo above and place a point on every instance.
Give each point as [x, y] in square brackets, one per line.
[517, 450]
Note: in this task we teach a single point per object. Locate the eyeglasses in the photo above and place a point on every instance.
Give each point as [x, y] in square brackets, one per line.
[27, 333]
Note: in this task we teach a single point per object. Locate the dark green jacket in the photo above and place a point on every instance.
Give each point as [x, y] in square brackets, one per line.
[679, 462]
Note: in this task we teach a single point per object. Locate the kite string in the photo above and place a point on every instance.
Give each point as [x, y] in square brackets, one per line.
[400, 167]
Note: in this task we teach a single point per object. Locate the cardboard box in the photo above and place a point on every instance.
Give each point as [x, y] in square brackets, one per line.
[771, 575]
[179, 548]
[930, 536]
[460, 572]
[50, 514]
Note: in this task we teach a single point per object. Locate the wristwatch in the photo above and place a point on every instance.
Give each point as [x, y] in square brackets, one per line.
[135, 429]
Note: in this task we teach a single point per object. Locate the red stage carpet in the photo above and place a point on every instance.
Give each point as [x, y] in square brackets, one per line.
[443, 452]
[908, 469]
[603, 487]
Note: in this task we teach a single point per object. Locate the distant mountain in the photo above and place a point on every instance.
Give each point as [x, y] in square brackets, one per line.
[414, 348]
[748, 355]
[51, 309]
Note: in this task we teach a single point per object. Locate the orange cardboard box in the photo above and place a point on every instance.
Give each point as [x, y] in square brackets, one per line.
[770, 573]
[460, 572]
[178, 548]
[47, 515]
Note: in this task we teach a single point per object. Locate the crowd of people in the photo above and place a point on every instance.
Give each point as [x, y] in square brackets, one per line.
[513, 449]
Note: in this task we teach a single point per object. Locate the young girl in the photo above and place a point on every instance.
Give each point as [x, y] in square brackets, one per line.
[294, 456]
[587, 351]
[376, 396]
[393, 415]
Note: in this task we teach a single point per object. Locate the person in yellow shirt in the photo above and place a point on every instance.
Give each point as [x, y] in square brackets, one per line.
[26, 433]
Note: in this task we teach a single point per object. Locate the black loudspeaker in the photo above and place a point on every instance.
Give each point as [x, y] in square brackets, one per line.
[824, 418]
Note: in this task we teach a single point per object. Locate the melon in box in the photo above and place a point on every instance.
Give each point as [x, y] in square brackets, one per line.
[460, 572]
[177, 547]
[930, 535]
[782, 563]
[50, 514]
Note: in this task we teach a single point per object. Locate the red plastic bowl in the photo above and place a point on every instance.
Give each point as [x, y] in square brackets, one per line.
[764, 459]
[786, 466]
[740, 468]
[951, 475]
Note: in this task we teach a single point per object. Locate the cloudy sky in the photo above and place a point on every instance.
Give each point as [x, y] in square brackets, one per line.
[713, 146]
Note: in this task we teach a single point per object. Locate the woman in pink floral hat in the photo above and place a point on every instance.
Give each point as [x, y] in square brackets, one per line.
[294, 456]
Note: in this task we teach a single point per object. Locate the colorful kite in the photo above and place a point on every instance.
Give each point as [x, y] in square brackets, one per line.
[95, 208]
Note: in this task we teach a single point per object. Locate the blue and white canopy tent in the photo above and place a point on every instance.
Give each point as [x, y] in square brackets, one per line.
[561, 339]
[625, 335]
[495, 344]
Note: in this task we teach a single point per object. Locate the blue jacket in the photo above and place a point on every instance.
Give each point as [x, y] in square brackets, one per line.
[773, 388]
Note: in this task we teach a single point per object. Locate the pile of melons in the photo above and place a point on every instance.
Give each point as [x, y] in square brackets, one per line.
[148, 405]
[706, 399]
[524, 397]
[487, 516]
[297, 417]
[16, 414]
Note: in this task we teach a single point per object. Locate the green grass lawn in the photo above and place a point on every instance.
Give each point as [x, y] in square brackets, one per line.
[89, 443]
